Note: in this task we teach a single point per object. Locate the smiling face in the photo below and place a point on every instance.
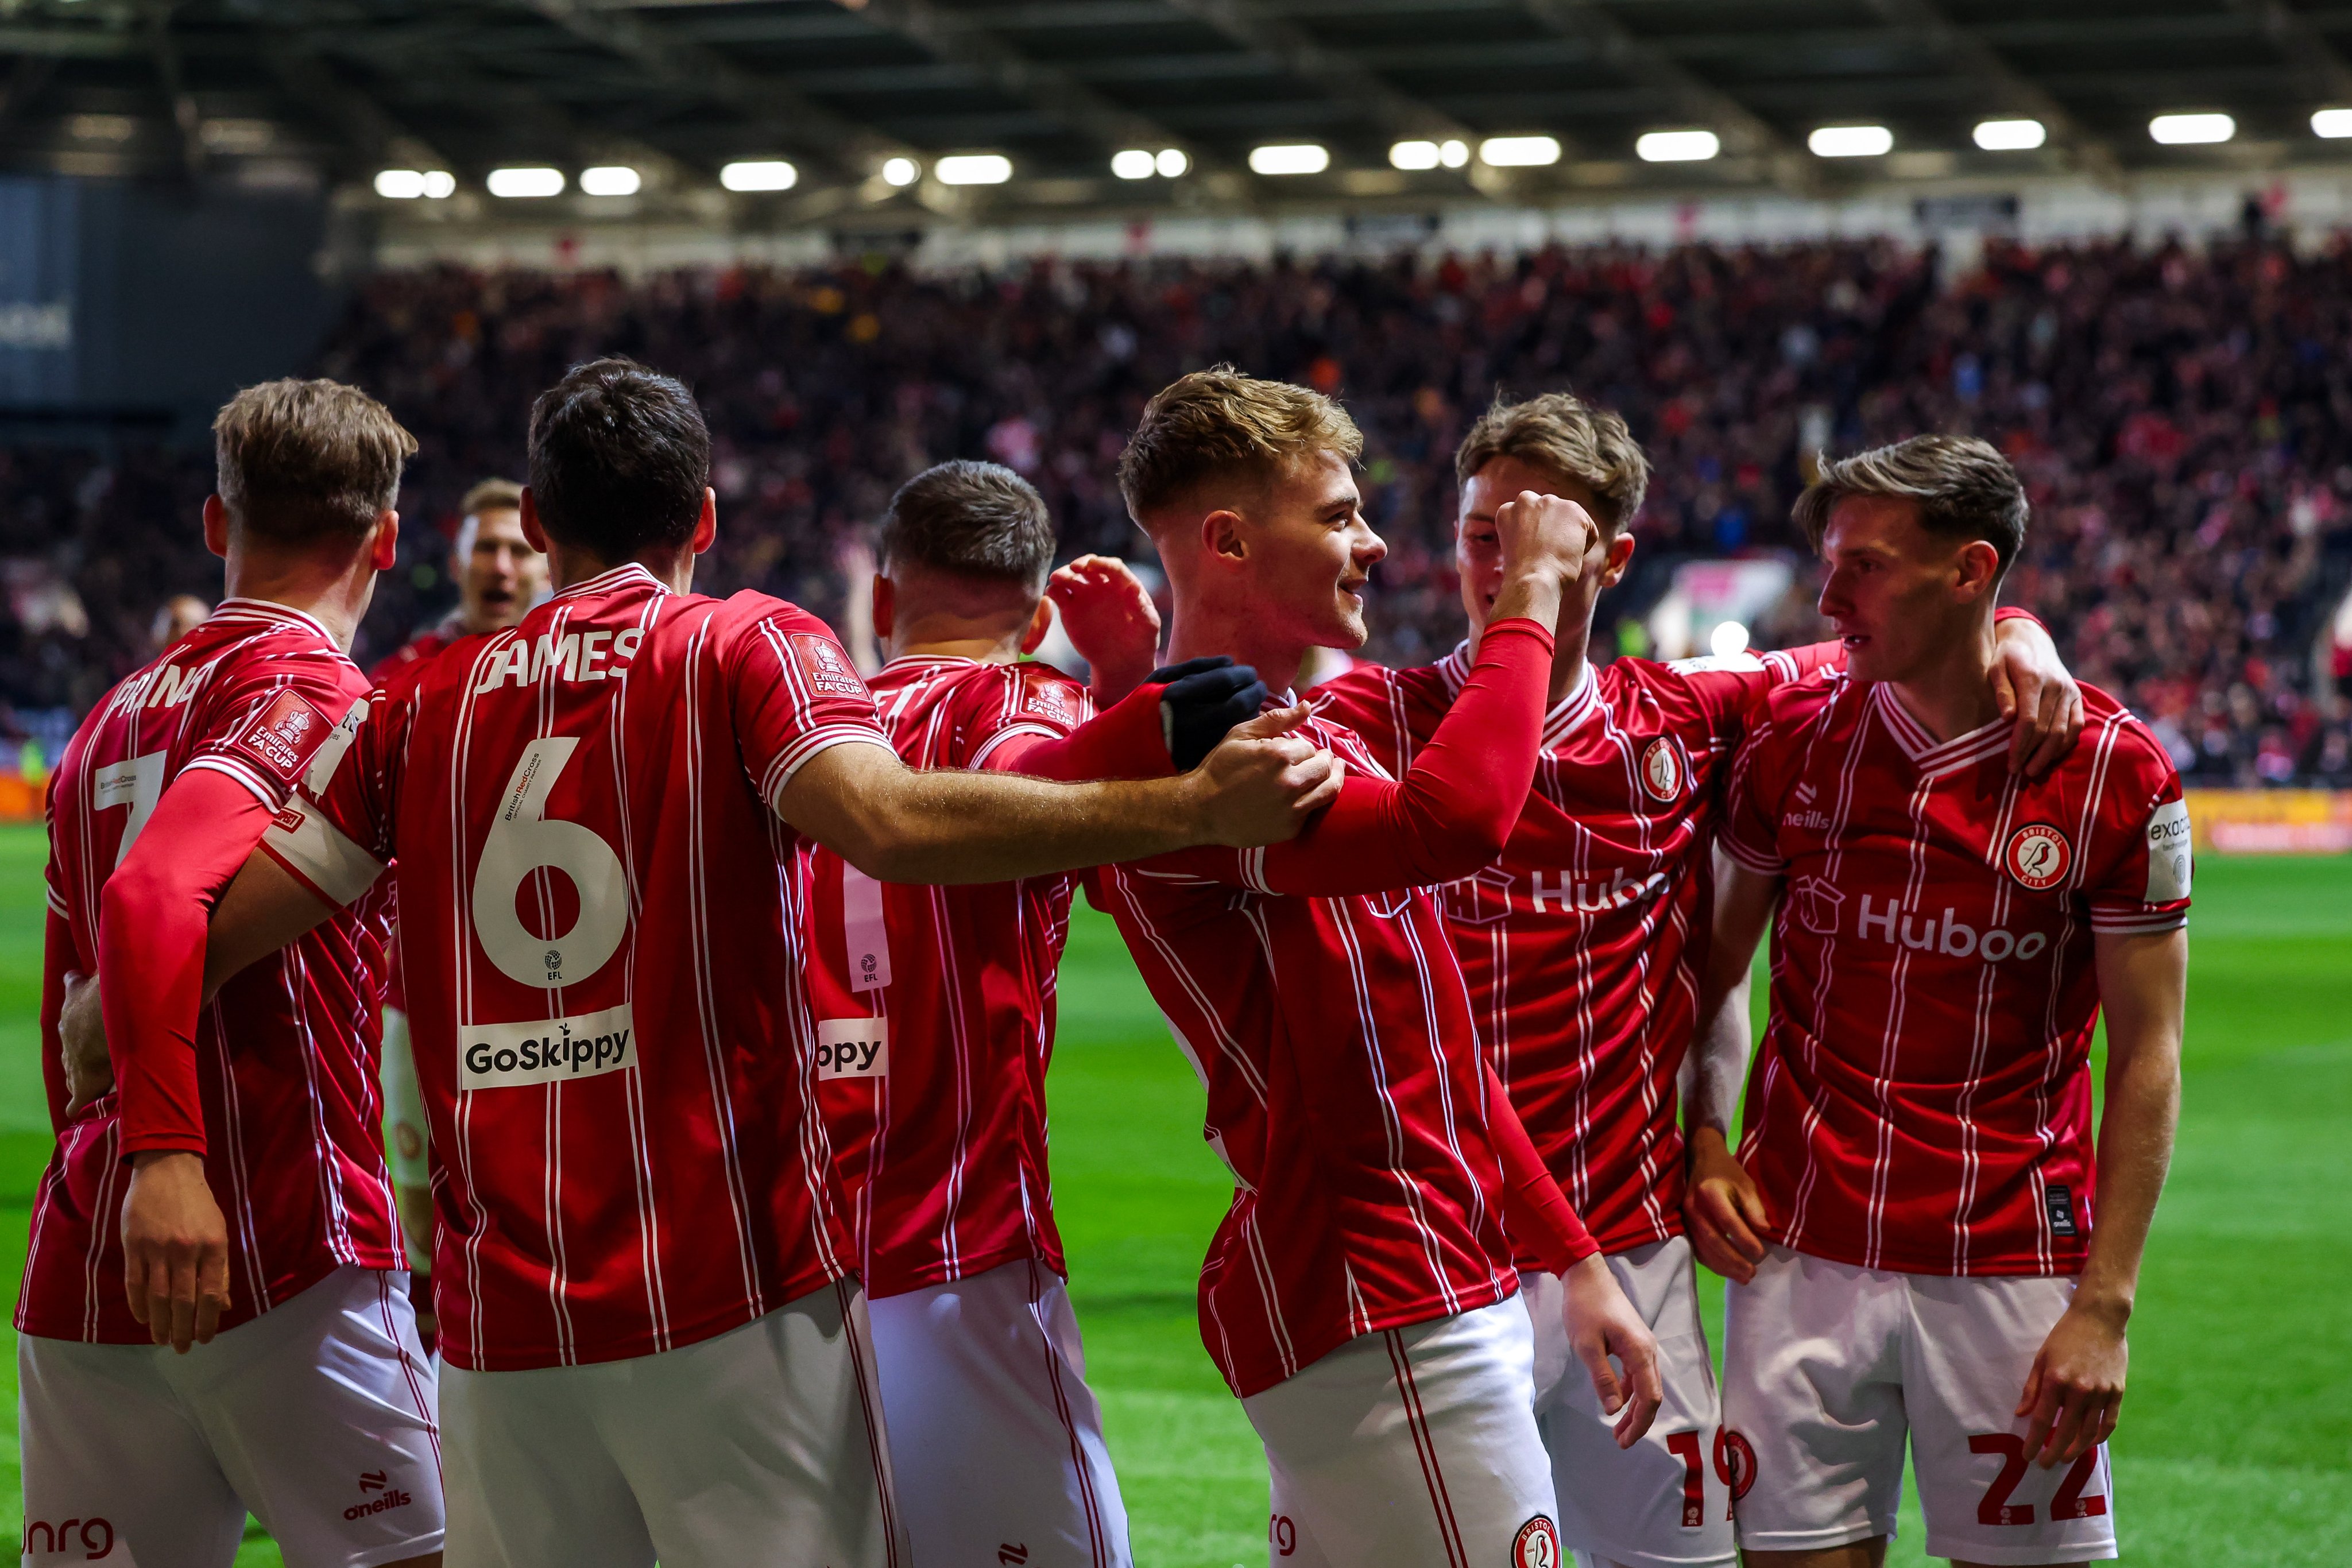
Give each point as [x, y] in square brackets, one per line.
[1300, 555]
[1898, 595]
[1478, 553]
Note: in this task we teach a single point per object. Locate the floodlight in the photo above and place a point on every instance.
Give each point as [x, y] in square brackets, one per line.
[525, 183]
[611, 180]
[1454, 152]
[2011, 135]
[1678, 146]
[1172, 162]
[1290, 158]
[400, 184]
[439, 183]
[2191, 130]
[2332, 123]
[759, 174]
[973, 168]
[1519, 151]
[1850, 141]
[901, 170]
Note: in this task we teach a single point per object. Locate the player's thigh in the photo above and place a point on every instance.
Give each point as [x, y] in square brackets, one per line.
[1665, 1501]
[324, 1417]
[531, 1479]
[1814, 1425]
[1417, 1446]
[114, 1467]
[765, 1443]
[1972, 1342]
[996, 1442]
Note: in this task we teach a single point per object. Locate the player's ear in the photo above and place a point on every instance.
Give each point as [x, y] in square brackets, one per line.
[1041, 621]
[885, 606]
[706, 526]
[1620, 555]
[1977, 573]
[531, 531]
[384, 541]
[1221, 536]
[216, 525]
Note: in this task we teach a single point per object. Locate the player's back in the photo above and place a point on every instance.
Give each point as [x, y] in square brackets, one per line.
[601, 917]
[935, 1008]
[287, 1051]
[1922, 1098]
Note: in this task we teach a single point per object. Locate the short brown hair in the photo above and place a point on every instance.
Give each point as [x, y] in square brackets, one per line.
[491, 495]
[971, 519]
[1216, 420]
[1964, 488]
[1568, 438]
[300, 461]
[619, 458]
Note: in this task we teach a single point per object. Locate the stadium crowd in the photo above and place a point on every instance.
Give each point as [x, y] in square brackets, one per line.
[2180, 415]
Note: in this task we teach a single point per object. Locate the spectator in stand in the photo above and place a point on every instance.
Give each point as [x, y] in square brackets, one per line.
[2172, 410]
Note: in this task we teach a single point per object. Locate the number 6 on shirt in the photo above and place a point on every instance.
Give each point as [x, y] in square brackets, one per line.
[523, 839]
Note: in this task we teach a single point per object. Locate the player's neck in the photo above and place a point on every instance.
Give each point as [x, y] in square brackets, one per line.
[334, 593]
[566, 565]
[1202, 632]
[979, 650]
[1953, 694]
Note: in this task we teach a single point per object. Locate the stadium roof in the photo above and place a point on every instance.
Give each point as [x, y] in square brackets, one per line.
[271, 91]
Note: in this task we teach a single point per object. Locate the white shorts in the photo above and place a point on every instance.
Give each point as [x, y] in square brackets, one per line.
[763, 1445]
[1825, 1368]
[317, 1416]
[996, 1442]
[1411, 1449]
[1665, 1502]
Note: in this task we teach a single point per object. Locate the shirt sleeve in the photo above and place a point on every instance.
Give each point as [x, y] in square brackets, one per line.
[1126, 740]
[1535, 1209]
[1032, 704]
[1449, 815]
[335, 837]
[275, 722]
[2140, 881]
[794, 693]
[1750, 834]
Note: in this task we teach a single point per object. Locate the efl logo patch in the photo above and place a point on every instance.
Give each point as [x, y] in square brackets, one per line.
[2038, 857]
[853, 1047]
[509, 1055]
[284, 735]
[1663, 769]
[828, 669]
[2059, 1200]
[1538, 1545]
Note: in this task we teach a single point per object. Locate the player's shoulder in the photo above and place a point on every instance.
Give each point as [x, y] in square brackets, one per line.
[255, 644]
[1793, 704]
[1368, 696]
[2131, 749]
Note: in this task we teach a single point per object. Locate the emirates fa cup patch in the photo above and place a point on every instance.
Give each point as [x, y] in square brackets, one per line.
[827, 667]
[283, 734]
[2038, 857]
[1538, 1545]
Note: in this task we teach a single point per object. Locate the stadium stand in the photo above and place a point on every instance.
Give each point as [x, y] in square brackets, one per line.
[2179, 414]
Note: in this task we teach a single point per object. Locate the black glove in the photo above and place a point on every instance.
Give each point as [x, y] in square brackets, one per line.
[1204, 698]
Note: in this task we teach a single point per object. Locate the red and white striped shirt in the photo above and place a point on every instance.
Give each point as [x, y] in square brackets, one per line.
[935, 1006]
[286, 1053]
[395, 672]
[1313, 986]
[602, 918]
[1576, 941]
[1922, 1098]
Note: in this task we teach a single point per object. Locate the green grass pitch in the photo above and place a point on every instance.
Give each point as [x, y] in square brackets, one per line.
[2236, 1446]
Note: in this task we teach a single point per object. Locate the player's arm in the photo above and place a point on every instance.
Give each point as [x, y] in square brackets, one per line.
[950, 827]
[2076, 1389]
[153, 924]
[57, 959]
[1110, 621]
[1722, 1208]
[1167, 724]
[1600, 1323]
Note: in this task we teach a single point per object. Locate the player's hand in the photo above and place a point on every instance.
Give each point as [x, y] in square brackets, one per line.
[175, 1250]
[82, 1045]
[1549, 535]
[1110, 620]
[1722, 1209]
[2034, 687]
[1262, 783]
[1601, 1323]
[1200, 700]
[2076, 1391]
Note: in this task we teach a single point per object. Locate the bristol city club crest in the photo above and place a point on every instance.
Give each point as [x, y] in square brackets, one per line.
[1538, 1545]
[2038, 857]
[1663, 769]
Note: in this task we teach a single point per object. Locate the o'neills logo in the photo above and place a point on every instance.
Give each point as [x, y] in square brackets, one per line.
[505, 1055]
[377, 1482]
